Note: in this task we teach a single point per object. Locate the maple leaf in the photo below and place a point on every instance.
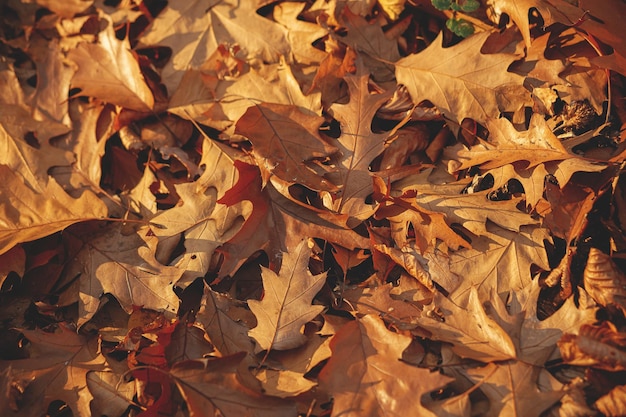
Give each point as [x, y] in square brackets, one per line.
[277, 224]
[56, 370]
[124, 266]
[358, 146]
[286, 143]
[286, 304]
[365, 375]
[467, 82]
[211, 386]
[194, 30]
[28, 215]
[109, 71]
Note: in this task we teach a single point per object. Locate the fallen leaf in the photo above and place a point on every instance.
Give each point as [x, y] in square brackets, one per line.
[194, 30]
[514, 389]
[286, 143]
[108, 70]
[57, 370]
[365, 374]
[211, 386]
[286, 304]
[28, 215]
[468, 82]
[358, 146]
[124, 266]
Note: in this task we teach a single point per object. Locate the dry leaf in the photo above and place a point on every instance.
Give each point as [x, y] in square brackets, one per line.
[211, 387]
[28, 215]
[468, 82]
[108, 70]
[604, 281]
[286, 143]
[57, 369]
[286, 304]
[365, 374]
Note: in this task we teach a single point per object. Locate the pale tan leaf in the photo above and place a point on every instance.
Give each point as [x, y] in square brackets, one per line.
[467, 82]
[286, 304]
[26, 215]
[108, 70]
[472, 332]
[365, 374]
[604, 281]
[195, 29]
[123, 264]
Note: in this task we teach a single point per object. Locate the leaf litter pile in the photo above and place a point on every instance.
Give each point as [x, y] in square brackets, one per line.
[320, 208]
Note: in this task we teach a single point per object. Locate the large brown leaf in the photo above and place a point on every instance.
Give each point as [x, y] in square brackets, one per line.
[56, 370]
[460, 80]
[538, 146]
[287, 143]
[366, 377]
[28, 215]
[123, 265]
[202, 222]
[358, 146]
[211, 387]
[195, 29]
[286, 304]
[277, 224]
[109, 71]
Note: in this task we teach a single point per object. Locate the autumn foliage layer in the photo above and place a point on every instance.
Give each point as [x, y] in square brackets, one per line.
[312, 208]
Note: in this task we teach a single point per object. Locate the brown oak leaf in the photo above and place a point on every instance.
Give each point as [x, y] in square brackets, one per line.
[366, 376]
[286, 304]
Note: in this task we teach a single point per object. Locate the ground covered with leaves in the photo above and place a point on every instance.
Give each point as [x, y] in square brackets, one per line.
[312, 208]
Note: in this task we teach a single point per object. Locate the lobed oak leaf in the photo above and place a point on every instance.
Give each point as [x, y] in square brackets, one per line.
[358, 146]
[228, 335]
[219, 103]
[367, 37]
[27, 215]
[365, 374]
[500, 260]
[404, 214]
[286, 304]
[124, 266]
[536, 339]
[277, 223]
[112, 395]
[108, 70]
[56, 370]
[468, 327]
[194, 31]
[472, 211]
[537, 146]
[27, 147]
[516, 388]
[66, 9]
[286, 143]
[211, 387]
[468, 83]
[301, 34]
[283, 373]
[202, 222]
